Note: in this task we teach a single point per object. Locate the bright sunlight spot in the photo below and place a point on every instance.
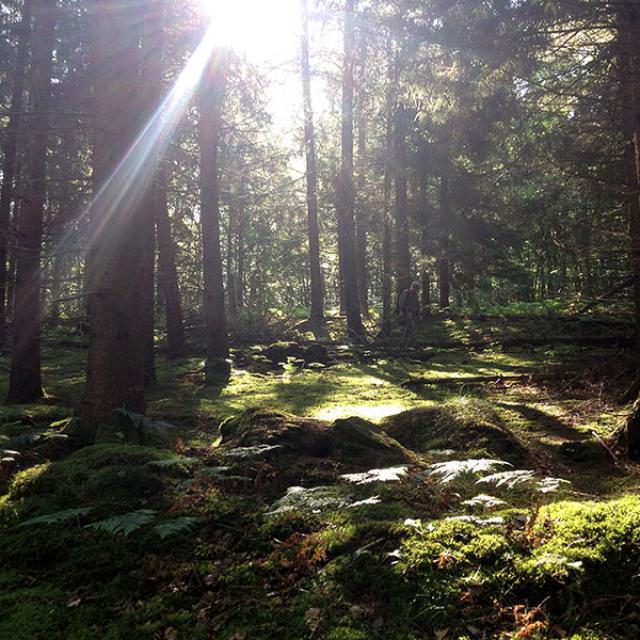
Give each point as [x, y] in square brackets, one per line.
[262, 29]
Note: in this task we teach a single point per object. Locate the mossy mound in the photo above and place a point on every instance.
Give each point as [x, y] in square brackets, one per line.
[280, 352]
[471, 428]
[124, 427]
[352, 441]
[103, 477]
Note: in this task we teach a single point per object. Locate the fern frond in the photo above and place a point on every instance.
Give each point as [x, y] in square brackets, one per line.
[125, 523]
[453, 469]
[174, 462]
[509, 479]
[8, 455]
[219, 474]
[483, 501]
[549, 485]
[178, 525]
[56, 517]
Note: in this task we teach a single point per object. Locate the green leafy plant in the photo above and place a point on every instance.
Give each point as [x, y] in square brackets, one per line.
[125, 523]
[178, 525]
[454, 469]
[57, 517]
[174, 462]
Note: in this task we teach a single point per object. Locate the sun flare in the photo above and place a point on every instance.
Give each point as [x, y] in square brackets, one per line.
[263, 29]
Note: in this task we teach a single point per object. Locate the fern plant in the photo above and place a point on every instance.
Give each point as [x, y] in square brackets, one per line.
[8, 455]
[177, 525]
[125, 523]
[454, 469]
[57, 517]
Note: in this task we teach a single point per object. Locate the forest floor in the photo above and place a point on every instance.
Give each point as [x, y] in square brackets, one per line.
[461, 489]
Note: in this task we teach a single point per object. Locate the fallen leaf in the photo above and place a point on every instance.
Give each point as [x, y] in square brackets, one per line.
[170, 633]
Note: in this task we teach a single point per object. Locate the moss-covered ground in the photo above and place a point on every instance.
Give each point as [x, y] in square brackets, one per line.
[122, 542]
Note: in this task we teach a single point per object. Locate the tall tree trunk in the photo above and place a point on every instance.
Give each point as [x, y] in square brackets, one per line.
[403, 260]
[316, 313]
[116, 263]
[346, 225]
[443, 257]
[629, 42]
[423, 212]
[210, 122]
[387, 248]
[151, 78]
[240, 249]
[10, 158]
[361, 208]
[11, 262]
[231, 284]
[56, 286]
[167, 272]
[630, 31]
[25, 383]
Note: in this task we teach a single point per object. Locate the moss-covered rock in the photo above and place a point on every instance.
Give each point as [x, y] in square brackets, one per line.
[279, 351]
[102, 477]
[352, 441]
[472, 428]
[125, 427]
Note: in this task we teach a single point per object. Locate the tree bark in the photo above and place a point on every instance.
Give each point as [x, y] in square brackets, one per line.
[346, 195]
[115, 262]
[240, 249]
[423, 212]
[402, 256]
[316, 313]
[151, 78]
[362, 222]
[231, 284]
[629, 44]
[443, 257]
[387, 248]
[168, 274]
[10, 154]
[210, 122]
[25, 383]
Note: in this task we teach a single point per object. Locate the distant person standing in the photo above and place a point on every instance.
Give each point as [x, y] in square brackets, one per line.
[408, 308]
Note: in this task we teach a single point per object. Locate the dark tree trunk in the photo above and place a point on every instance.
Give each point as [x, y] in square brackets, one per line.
[443, 249]
[346, 225]
[25, 383]
[387, 248]
[167, 273]
[402, 256]
[210, 122]
[423, 212]
[240, 250]
[629, 42]
[231, 284]
[56, 286]
[362, 222]
[10, 153]
[116, 263]
[11, 262]
[151, 78]
[316, 313]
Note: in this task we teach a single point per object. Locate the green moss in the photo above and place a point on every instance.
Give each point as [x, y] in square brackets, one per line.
[346, 633]
[590, 545]
[469, 426]
[97, 476]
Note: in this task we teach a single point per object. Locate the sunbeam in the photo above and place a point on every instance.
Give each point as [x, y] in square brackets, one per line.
[137, 168]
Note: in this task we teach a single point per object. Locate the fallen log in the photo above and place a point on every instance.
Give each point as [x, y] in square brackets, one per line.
[621, 286]
[486, 379]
